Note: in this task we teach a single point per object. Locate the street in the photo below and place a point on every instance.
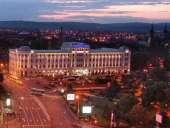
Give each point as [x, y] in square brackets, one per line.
[31, 114]
[60, 114]
[39, 112]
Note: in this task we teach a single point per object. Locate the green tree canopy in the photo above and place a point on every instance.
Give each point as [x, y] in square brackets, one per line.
[154, 92]
[126, 103]
[140, 116]
[1, 77]
[112, 91]
[158, 74]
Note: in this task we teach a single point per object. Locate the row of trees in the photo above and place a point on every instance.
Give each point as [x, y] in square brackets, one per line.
[128, 107]
[157, 92]
[1, 77]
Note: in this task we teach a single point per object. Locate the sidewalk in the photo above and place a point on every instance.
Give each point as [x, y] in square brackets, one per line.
[12, 124]
[87, 125]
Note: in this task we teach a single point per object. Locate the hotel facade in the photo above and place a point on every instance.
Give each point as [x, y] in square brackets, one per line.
[74, 58]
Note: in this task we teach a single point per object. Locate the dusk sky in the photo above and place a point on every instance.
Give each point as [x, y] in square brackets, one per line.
[98, 11]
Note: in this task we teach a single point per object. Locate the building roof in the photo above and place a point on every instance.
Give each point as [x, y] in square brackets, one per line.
[70, 45]
[50, 51]
[121, 49]
[24, 48]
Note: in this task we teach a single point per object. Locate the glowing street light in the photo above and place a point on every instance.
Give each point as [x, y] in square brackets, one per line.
[77, 97]
[2, 65]
[95, 121]
[22, 98]
[62, 90]
[8, 102]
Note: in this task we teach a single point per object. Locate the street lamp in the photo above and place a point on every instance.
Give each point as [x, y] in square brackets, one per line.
[22, 98]
[8, 102]
[1, 114]
[8, 108]
[78, 104]
[112, 120]
[95, 121]
[2, 64]
[62, 90]
[77, 97]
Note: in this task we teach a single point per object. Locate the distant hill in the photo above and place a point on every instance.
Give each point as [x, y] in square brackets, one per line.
[115, 27]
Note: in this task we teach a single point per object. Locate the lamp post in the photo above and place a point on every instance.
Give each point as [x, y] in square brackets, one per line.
[112, 120]
[6, 119]
[8, 104]
[78, 105]
[62, 90]
[2, 114]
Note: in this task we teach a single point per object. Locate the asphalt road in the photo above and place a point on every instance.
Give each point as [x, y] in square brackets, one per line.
[29, 113]
[60, 114]
[49, 111]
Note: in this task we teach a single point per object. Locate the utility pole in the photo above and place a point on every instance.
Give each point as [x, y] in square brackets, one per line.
[78, 105]
[113, 120]
[1, 114]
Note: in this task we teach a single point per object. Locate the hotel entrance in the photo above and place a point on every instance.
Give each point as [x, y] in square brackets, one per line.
[80, 72]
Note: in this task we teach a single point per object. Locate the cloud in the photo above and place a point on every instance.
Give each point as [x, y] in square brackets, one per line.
[148, 10]
[104, 2]
[77, 13]
[86, 10]
[67, 1]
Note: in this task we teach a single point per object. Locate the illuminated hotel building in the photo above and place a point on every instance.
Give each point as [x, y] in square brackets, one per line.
[73, 58]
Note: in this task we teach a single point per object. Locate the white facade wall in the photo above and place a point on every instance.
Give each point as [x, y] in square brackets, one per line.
[25, 62]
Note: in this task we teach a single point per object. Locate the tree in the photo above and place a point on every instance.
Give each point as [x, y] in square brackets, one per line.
[39, 44]
[126, 103]
[1, 77]
[167, 62]
[100, 80]
[167, 93]
[70, 87]
[101, 116]
[158, 74]
[140, 116]
[139, 60]
[3, 93]
[112, 90]
[166, 121]
[154, 93]
[103, 108]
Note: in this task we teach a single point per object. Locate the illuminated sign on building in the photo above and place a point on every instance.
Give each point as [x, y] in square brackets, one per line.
[87, 109]
[70, 97]
[158, 118]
